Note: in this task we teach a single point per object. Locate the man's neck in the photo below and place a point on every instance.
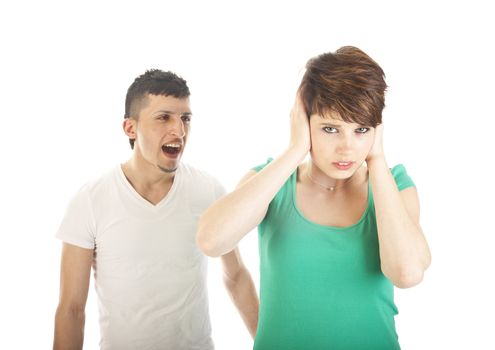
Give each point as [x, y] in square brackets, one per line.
[148, 180]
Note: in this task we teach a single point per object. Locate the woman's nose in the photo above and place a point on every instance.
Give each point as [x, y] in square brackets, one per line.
[345, 145]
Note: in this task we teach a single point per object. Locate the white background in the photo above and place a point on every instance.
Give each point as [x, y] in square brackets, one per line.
[65, 68]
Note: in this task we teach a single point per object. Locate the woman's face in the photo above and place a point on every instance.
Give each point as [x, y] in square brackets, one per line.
[339, 148]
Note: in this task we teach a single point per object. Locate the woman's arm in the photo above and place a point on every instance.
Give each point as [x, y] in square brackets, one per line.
[404, 252]
[230, 218]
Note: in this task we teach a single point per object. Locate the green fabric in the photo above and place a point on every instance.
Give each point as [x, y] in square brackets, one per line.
[322, 287]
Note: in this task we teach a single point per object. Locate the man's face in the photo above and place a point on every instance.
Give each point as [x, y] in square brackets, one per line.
[161, 131]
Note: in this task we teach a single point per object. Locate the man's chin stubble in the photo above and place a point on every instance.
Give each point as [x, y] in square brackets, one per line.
[168, 171]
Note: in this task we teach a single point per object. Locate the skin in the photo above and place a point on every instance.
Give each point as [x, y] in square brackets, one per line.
[403, 250]
[333, 140]
[163, 120]
[150, 170]
[74, 283]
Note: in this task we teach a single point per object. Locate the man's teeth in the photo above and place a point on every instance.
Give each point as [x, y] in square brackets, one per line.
[174, 145]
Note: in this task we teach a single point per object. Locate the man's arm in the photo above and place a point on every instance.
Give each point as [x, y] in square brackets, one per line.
[74, 284]
[241, 289]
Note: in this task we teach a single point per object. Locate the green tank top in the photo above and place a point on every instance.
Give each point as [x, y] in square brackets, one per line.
[321, 287]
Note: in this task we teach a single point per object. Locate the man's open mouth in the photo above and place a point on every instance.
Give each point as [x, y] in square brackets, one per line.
[172, 148]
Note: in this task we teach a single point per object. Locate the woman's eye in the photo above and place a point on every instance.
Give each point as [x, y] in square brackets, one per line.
[330, 129]
[164, 117]
[362, 130]
[186, 118]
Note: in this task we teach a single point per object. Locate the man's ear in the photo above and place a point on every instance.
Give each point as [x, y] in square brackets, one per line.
[129, 126]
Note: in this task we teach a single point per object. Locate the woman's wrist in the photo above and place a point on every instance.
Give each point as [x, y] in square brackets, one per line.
[376, 161]
[299, 152]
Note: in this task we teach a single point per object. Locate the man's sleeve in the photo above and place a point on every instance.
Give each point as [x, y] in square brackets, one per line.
[78, 225]
[219, 190]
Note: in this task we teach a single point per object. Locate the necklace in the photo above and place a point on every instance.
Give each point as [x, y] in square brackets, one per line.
[328, 188]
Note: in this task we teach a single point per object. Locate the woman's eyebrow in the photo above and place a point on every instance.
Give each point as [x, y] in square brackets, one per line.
[332, 125]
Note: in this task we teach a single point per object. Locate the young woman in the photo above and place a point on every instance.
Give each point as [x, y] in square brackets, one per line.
[337, 232]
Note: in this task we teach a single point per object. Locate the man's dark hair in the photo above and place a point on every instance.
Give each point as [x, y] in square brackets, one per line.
[152, 82]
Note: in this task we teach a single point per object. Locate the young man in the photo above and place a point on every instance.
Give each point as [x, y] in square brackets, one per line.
[136, 226]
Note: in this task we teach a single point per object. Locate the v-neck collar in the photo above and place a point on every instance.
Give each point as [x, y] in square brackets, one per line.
[144, 202]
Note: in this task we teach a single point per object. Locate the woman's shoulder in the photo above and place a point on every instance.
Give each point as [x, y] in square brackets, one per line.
[259, 167]
[402, 177]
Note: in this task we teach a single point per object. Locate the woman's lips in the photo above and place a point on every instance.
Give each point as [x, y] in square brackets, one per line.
[343, 165]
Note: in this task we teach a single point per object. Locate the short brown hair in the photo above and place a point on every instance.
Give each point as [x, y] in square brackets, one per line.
[347, 82]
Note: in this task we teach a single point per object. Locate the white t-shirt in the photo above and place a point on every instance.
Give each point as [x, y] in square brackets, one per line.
[150, 277]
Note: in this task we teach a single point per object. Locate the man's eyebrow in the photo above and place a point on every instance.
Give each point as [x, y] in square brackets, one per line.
[171, 112]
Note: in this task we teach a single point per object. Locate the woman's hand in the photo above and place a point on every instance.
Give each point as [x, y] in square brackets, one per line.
[233, 216]
[300, 138]
[376, 151]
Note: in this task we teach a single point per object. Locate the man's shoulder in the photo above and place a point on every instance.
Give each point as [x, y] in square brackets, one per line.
[101, 184]
[201, 183]
[197, 175]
